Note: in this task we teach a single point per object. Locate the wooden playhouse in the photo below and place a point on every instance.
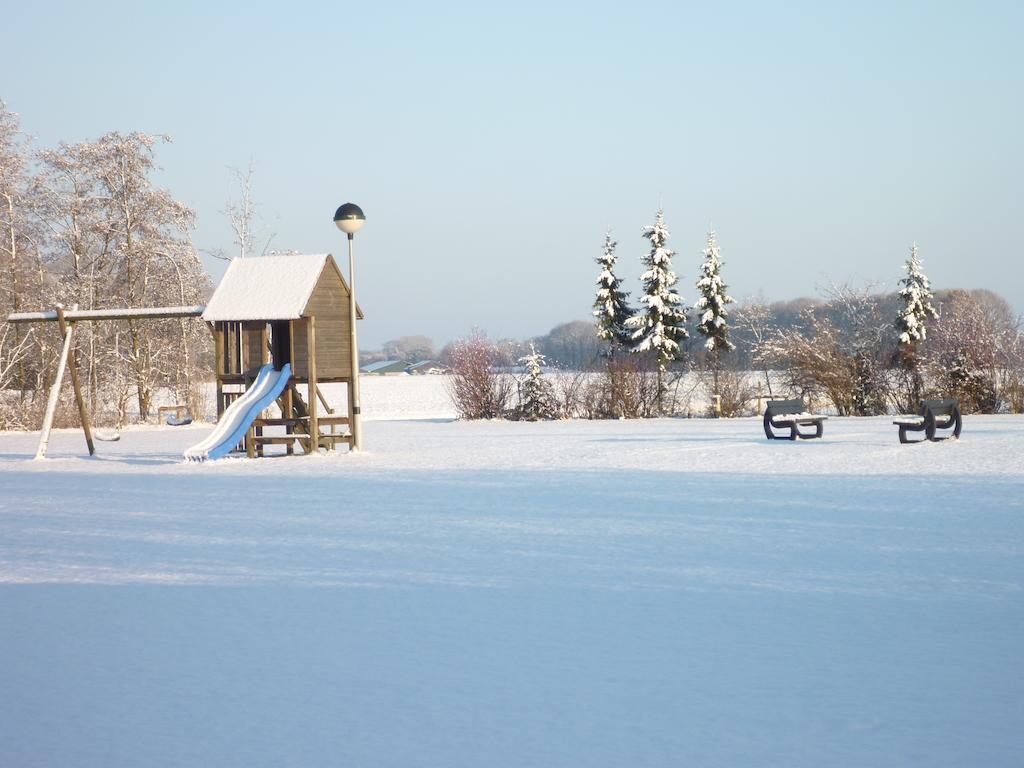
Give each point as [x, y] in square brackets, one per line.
[280, 310]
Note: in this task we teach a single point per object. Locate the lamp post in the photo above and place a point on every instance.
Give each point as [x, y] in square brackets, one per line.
[349, 218]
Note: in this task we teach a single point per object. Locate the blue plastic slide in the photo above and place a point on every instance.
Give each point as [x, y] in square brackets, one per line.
[235, 421]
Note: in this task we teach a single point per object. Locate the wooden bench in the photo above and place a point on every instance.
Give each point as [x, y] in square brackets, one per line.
[791, 414]
[932, 415]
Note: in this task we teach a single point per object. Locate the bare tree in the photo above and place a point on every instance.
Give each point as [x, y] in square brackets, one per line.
[963, 350]
[13, 353]
[865, 332]
[836, 351]
[812, 362]
[118, 241]
[19, 242]
[476, 388]
[625, 388]
[754, 320]
[243, 215]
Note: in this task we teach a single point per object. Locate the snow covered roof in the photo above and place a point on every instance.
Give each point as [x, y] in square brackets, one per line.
[266, 288]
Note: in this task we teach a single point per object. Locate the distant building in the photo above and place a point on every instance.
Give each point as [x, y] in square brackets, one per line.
[385, 368]
[425, 367]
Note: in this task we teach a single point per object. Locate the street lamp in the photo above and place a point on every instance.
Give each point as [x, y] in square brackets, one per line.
[349, 218]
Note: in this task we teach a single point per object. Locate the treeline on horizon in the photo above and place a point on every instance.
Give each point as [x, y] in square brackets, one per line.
[573, 345]
[859, 351]
[977, 333]
[84, 225]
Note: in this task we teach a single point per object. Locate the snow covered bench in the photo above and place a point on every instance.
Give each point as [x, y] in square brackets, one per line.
[791, 414]
[932, 415]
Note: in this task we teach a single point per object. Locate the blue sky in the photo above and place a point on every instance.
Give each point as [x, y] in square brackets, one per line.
[492, 146]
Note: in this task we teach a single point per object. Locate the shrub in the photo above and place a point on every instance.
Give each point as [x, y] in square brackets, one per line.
[478, 391]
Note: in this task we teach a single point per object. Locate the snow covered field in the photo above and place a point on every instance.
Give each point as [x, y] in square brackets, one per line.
[645, 593]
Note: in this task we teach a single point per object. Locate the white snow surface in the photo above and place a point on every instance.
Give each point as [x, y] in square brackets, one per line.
[667, 592]
[265, 288]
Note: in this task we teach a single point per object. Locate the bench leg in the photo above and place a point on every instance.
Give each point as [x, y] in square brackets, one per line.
[905, 439]
[773, 436]
[819, 429]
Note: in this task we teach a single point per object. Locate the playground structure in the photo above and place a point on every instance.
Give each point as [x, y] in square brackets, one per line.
[279, 323]
[67, 321]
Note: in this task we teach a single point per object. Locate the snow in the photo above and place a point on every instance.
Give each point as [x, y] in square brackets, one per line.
[266, 288]
[802, 416]
[653, 593]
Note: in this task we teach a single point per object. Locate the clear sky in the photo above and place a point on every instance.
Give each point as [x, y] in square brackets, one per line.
[491, 145]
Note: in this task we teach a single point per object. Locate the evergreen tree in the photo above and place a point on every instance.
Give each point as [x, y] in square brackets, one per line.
[660, 325]
[916, 294]
[610, 306]
[711, 306]
[536, 395]
[711, 310]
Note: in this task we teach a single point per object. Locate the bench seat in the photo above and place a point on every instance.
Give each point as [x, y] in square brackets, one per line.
[791, 415]
[800, 418]
[932, 416]
[909, 420]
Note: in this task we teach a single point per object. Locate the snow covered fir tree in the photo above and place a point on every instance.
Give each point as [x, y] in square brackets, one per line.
[711, 309]
[659, 325]
[916, 294]
[537, 400]
[611, 309]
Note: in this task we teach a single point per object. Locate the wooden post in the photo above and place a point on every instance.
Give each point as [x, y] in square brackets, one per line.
[314, 424]
[291, 342]
[83, 414]
[288, 411]
[265, 345]
[289, 406]
[51, 403]
[218, 365]
[240, 346]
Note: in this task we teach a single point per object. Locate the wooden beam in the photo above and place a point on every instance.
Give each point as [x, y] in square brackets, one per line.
[218, 366]
[129, 313]
[291, 347]
[83, 414]
[240, 347]
[288, 412]
[323, 400]
[51, 403]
